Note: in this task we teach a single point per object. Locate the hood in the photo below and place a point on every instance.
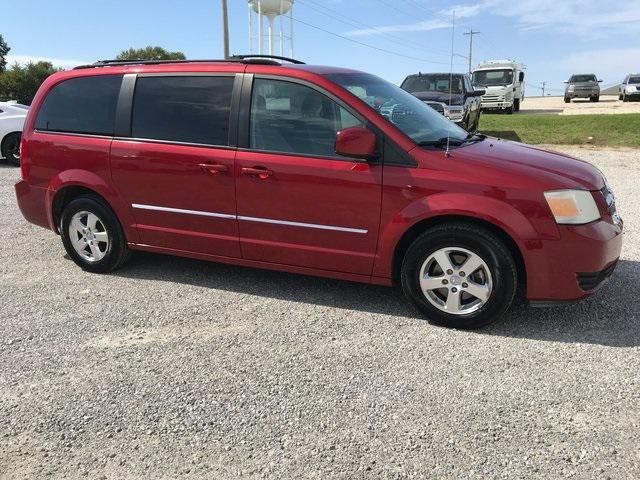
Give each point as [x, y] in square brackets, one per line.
[551, 170]
[442, 97]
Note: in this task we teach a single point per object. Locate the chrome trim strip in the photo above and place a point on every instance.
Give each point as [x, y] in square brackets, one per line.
[180, 210]
[304, 225]
[251, 219]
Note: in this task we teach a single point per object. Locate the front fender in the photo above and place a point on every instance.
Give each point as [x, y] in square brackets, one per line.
[497, 212]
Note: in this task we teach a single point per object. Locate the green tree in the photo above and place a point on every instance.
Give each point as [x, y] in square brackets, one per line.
[4, 49]
[22, 82]
[150, 53]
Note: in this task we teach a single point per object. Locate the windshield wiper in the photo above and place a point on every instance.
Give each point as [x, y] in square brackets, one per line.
[441, 142]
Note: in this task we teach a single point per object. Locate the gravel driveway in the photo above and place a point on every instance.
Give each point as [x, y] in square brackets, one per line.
[175, 368]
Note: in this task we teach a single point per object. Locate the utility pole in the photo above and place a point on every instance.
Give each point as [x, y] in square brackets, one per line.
[471, 34]
[225, 28]
[544, 84]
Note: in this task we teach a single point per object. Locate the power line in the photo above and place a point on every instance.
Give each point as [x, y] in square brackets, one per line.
[390, 52]
[355, 23]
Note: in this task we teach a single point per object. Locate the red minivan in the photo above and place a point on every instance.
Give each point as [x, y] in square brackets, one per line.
[271, 163]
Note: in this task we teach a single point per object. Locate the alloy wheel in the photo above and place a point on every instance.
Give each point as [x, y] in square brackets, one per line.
[456, 280]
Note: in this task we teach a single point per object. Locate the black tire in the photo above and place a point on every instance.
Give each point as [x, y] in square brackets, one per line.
[516, 105]
[625, 98]
[567, 100]
[594, 99]
[477, 240]
[620, 97]
[11, 148]
[509, 110]
[116, 253]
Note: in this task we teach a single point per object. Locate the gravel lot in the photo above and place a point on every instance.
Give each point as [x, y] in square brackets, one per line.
[174, 368]
[608, 104]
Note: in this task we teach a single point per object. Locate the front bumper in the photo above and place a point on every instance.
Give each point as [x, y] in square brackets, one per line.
[582, 94]
[499, 105]
[574, 266]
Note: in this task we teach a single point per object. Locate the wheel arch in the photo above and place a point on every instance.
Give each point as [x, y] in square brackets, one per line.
[418, 228]
[7, 135]
[66, 195]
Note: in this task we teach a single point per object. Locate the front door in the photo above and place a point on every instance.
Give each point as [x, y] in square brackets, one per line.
[176, 170]
[298, 202]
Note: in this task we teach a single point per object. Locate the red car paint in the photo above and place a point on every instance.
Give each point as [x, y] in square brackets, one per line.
[375, 204]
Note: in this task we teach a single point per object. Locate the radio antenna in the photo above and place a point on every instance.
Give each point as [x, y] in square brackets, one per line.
[453, 31]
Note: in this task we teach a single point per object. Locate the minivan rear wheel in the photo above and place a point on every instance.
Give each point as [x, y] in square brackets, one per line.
[11, 148]
[92, 235]
[459, 275]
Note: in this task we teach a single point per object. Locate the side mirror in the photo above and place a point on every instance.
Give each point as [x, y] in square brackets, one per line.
[566, 81]
[521, 77]
[477, 92]
[599, 81]
[356, 142]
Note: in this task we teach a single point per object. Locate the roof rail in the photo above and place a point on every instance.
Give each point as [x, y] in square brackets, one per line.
[267, 57]
[257, 59]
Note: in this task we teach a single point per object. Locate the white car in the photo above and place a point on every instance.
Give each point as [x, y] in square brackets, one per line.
[12, 116]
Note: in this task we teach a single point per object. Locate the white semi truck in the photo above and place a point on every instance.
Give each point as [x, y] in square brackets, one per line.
[503, 81]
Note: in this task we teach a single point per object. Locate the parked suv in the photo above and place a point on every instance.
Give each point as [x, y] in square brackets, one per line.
[313, 170]
[630, 88]
[452, 95]
[582, 86]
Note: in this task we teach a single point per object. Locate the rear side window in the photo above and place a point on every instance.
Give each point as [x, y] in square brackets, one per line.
[81, 105]
[183, 109]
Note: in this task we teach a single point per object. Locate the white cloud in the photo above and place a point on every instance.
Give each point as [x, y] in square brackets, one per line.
[442, 19]
[57, 62]
[592, 17]
[586, 17]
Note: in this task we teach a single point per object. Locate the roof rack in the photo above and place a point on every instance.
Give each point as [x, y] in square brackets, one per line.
[255, 59]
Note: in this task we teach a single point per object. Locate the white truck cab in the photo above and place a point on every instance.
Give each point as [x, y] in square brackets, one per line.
[503, 81]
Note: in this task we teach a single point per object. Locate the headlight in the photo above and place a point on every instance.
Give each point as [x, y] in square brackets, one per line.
[631, 88]
[572, 207]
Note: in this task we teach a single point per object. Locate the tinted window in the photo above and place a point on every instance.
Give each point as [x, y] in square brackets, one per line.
[433, 83]
[183, 109]
[288, 117]
[582, 78]
[81, 105]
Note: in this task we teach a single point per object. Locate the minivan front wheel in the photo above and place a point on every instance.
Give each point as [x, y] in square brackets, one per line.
[459, 275]
[92, 236]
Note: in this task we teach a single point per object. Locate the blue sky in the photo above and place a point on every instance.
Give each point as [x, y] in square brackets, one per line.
[553, 38]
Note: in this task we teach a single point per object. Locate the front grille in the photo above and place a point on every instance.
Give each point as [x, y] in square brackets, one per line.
[591, 281]
[491, 98]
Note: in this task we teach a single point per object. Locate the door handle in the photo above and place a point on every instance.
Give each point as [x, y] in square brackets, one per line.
[213, 168]
[260, 172]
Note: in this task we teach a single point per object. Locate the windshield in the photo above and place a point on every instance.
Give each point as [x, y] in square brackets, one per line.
[433, 83]
[414, 118]
[491, 78]
[582, 78]
[634, 80]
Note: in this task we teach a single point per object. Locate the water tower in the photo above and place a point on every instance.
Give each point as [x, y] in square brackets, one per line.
[272, 10]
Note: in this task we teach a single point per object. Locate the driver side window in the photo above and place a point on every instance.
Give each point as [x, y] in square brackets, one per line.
[293, 118]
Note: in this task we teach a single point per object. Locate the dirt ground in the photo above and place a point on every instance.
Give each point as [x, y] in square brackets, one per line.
[608, 104]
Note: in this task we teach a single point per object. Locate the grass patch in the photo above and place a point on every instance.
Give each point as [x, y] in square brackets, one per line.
[605, 130]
